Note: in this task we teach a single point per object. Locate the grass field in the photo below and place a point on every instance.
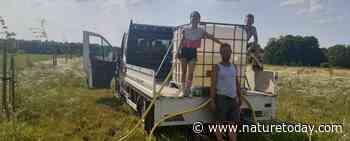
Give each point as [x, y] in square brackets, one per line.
[315, 96]
[24, 60]
[56, 105]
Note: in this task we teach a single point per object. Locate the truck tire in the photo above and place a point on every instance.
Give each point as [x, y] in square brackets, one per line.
[141, 106]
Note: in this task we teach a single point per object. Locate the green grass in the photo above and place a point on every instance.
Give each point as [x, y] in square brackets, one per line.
[56, 105]
[315, 96]
[24, 60]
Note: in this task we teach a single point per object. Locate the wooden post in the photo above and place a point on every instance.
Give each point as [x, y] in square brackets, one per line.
[4, 80]
[10, 98]
[54, 51]
[3, 98]
[70, 52]
[12, 83]
[65, 52]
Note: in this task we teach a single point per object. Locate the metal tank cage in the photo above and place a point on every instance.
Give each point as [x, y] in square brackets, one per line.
[208, 54]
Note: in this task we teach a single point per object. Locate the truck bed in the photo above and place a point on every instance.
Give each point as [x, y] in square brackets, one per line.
[171, 101]
[168, 91]
[143, 79]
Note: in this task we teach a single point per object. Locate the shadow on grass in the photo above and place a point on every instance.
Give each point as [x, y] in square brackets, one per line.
[273, 136]
[111, 102]
[179, 133]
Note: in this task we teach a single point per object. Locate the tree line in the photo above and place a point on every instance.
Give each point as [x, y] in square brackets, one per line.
[50, 47]
[305, 51]
[43, 47]
[286, 50]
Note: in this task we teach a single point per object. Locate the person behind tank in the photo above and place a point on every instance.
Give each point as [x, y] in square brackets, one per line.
[253, 47]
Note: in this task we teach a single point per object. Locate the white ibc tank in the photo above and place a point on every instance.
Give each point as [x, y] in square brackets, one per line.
[208, 54]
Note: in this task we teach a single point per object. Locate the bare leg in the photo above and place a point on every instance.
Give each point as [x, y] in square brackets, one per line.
[184, 72]
[191, 67]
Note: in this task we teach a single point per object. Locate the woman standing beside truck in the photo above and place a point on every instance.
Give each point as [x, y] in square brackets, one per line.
[187, 53]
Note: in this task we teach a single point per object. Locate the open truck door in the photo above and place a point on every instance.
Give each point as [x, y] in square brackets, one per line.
[100, 61]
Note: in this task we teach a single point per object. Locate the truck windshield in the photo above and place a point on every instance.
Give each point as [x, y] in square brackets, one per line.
[152, 43]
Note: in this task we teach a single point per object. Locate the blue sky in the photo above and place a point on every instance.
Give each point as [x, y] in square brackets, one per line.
[328, 20]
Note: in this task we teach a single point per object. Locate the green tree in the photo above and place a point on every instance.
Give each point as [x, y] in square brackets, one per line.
[294, 50]
[339, 55]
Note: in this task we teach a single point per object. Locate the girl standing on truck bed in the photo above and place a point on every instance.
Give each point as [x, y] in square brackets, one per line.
[187, 53]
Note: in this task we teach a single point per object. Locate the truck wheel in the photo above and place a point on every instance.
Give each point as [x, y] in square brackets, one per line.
[141, 106]
[149, 119]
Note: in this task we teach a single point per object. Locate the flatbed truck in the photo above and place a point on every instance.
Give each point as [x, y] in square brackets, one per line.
[139, 77]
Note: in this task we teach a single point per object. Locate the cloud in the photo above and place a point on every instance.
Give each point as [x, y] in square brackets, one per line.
[292, 2]
[84, 0]
[228, 0]
[137, 2]
[330, 19]
[302, 11]
[122, 3]
[40, 3]
[316, 6]
[317, 10]
[306, 6]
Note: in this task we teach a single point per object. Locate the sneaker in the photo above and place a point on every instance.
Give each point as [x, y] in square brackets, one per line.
[180, 93]
[182, 90]
[194, 91]
[187, 92]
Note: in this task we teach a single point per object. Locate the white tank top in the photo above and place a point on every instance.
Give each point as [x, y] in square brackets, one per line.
[226, 81]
